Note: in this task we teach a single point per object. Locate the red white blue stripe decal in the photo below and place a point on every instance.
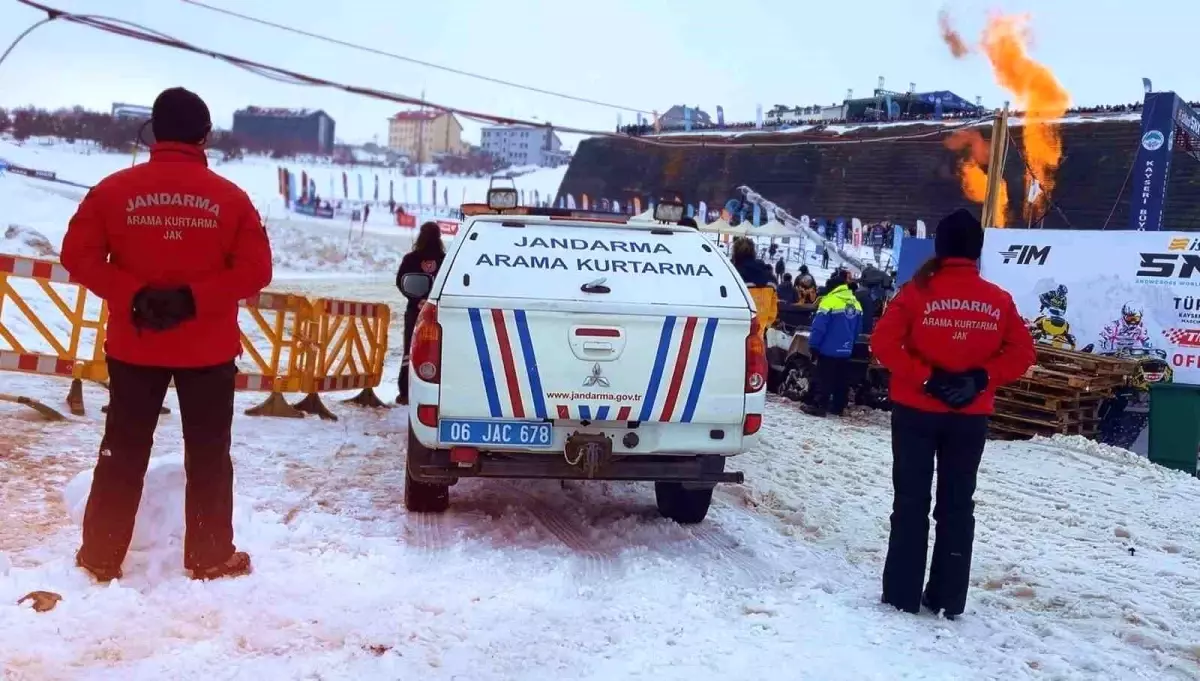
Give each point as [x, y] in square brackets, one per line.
[584, 412]
[518, 363]
[512, 381]
[689, 356]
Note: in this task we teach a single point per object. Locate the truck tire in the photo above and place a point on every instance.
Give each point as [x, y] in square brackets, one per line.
[684, 506]
[422, 497]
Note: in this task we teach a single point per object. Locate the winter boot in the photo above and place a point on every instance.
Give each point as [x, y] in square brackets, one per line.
[236, 565]
[813, 411]
[103, 575]
[933, 606]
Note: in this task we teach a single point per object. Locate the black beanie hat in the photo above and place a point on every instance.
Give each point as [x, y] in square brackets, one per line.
[180, 115]
[836, 279]
[959, 235]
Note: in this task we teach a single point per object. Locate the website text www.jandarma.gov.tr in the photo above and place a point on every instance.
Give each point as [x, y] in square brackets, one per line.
[595, 397]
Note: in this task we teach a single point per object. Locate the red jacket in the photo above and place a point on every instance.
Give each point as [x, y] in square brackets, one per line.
[958, 322]
[170, 222]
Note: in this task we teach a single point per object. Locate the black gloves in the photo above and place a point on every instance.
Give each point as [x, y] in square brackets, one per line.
[159, 309]
[956, 390]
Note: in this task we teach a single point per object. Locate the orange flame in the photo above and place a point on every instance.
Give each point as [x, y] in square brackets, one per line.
[971, 171]
[958, 46]
[1036, 91]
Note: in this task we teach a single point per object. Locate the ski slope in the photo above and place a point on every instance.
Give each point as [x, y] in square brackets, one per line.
[1087, 562]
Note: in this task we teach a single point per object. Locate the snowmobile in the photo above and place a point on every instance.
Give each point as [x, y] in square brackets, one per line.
[1051, 328]
[792, 368]
[1152, 367]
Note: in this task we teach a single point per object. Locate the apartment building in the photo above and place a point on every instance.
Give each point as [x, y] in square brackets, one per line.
[424, 135]
[518, 145]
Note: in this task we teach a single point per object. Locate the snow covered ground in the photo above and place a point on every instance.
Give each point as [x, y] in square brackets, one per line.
[533, 580]
[1087, 561]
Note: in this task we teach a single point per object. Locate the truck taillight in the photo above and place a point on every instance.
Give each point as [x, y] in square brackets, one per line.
[756, 358]
[425, 355]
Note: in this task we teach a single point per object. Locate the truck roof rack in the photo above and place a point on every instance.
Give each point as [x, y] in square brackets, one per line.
[472, 209]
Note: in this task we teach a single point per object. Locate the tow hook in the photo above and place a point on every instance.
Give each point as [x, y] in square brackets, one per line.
[588, 451]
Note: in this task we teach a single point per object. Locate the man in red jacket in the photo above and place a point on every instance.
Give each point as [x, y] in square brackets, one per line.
[172, 247]
[949, 339]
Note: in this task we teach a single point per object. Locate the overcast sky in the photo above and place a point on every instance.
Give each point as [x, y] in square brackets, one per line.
[642, 54]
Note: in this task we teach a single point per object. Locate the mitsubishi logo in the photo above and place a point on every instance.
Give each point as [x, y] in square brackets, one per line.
[597, 378]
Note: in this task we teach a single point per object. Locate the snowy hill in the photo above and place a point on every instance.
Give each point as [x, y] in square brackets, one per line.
[302, 244]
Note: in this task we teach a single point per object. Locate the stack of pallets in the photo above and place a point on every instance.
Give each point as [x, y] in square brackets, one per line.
[1060, 395]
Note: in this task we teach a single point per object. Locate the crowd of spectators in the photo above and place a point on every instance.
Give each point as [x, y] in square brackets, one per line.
[642, 129]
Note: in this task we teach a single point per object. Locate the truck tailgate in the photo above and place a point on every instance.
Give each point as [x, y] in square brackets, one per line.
[528, 363]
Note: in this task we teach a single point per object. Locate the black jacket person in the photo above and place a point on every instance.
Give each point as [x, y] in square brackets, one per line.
[426, 257]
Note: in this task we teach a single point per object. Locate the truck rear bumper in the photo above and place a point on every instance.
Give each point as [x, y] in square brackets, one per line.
[435, 465]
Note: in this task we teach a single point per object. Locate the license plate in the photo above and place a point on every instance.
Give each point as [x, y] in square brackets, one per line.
[491, 433]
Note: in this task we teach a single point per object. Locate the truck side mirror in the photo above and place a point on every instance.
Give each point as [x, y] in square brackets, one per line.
[416, 285]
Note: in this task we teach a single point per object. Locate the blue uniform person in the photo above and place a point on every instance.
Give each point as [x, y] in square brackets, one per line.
[831, 340]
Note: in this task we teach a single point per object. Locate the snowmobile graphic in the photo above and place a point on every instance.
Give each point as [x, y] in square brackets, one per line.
[1127, 338]
[1153, 367]
[1051, 327]
[1125, 333]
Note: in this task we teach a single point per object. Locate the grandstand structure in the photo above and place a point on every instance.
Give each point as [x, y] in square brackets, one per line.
[1114, 173]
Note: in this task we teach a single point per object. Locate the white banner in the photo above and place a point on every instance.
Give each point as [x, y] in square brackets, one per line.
[1134, 294]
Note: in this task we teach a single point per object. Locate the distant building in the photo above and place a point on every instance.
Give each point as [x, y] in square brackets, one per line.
[674, 117]
[519, 145]
[132, 111]
[291, 130]
[423, 135]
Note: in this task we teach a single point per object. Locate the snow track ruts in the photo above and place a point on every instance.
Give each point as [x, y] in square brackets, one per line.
[595, 565]
[427, 533]
[721, 546]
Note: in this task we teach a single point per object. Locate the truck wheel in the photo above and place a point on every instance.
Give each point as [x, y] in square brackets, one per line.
[422, 497]
[684, 506]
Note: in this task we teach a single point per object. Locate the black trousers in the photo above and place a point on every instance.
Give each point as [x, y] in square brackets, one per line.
[410, 321]
[956, 442]
[136, 395]
[832, 386]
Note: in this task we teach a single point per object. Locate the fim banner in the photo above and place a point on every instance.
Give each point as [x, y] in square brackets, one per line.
[1126, 294]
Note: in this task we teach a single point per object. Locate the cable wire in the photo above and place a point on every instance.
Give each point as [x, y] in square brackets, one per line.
[411, 60]
[1050, 202]
[136, 31]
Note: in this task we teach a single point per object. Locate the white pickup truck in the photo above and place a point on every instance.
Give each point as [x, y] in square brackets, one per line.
[568, 345]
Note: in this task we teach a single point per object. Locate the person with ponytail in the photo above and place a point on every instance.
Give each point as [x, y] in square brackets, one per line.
[949, 339]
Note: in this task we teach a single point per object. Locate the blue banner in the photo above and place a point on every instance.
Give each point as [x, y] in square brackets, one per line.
[1153, 164]
[314, 210]
[839, 237]
[757, 219]
[291, 189]
[911, 254]
[360, 191]
[687, 118]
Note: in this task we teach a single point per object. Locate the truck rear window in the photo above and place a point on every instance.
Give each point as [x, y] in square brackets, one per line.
[554, 261]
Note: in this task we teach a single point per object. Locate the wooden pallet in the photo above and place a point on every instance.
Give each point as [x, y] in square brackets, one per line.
[1060, 395]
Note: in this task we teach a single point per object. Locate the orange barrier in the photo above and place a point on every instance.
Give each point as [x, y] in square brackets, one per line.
[276, 339]
[350, 340]
[291, 344]
[63, 347]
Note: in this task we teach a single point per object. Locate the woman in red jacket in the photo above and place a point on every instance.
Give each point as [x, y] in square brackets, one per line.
[949, 339]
